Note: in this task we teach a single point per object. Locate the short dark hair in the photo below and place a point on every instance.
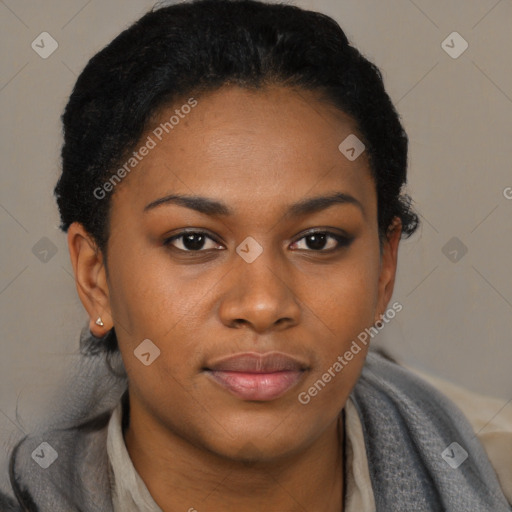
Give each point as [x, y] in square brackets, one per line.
[199, 46]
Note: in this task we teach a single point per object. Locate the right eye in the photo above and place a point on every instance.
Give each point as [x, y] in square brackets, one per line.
[191, 241]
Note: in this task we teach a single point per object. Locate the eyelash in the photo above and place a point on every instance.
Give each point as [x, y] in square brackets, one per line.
[343, 241]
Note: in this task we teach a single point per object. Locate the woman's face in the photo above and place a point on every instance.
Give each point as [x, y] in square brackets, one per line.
[252, 279]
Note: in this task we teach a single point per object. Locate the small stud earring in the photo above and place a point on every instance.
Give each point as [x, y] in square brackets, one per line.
[99, 321]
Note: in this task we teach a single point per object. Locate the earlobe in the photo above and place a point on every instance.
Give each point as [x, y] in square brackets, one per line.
[90, 278]
[388, 267]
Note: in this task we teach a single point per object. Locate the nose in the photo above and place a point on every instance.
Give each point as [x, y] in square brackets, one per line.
[260, 295]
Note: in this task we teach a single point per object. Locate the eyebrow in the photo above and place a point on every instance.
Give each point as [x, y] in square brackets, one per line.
[213, 207]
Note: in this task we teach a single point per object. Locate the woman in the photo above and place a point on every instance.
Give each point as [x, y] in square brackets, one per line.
[231, 193]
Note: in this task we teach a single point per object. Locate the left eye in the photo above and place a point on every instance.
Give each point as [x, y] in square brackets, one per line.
[319, 239]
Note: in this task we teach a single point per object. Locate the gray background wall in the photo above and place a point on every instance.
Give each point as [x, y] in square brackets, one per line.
[457, 316]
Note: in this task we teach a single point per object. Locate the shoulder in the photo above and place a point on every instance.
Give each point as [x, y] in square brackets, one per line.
[62, 469]
[412, 433]
[491, 420]
[7, 504]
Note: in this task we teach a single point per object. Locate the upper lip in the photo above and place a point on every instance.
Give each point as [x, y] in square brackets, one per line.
[252, 362]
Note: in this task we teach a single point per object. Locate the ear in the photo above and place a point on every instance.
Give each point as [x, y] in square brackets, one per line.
[90, 278]
[388, 267]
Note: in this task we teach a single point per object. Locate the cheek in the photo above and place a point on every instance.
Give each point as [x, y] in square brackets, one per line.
[347, 307]
[350, 295]
[151, 299]
[145, 290]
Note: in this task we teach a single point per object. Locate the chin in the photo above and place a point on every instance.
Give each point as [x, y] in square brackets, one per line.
[255, 446]
[256, 451]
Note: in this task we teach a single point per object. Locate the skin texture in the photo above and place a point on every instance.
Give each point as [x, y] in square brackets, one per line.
[194, 444]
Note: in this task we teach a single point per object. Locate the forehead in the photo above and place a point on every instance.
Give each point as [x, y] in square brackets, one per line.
[247, 146]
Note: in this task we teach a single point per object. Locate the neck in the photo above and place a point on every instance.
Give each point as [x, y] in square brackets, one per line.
[182, 476]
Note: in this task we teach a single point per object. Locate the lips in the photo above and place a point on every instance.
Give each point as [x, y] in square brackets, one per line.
[257, 377]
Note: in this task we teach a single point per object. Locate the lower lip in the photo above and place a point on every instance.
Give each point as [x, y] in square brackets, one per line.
[257, 386]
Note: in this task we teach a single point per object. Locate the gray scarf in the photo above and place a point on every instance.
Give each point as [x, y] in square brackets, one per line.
[407, 425]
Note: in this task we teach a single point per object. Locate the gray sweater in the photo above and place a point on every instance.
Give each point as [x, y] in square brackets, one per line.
[422, 453]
